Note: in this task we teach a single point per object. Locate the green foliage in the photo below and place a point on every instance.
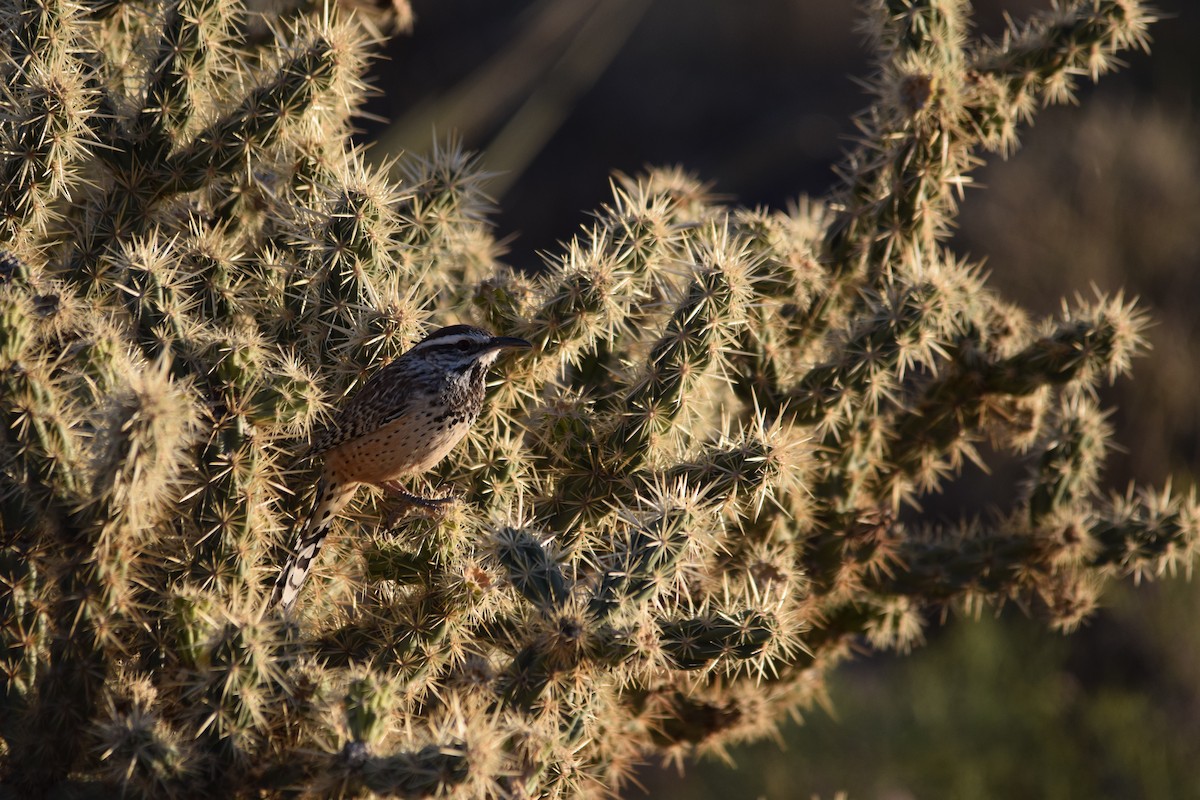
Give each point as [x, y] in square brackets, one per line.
[679, 511]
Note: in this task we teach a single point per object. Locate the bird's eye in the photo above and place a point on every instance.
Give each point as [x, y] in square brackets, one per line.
[463, 346]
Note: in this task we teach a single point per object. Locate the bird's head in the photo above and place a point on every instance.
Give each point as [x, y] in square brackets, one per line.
[461, 347]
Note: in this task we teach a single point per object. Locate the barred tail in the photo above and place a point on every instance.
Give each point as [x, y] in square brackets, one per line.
[332, 496]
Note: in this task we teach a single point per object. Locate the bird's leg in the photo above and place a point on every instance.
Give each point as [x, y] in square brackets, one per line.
[405, 496]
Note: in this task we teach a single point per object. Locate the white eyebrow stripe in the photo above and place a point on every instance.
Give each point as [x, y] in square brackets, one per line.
[446, 341]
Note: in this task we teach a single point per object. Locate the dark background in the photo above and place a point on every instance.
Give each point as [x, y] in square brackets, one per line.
[757, 96]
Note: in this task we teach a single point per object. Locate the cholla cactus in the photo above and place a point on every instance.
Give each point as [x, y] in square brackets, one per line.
[678, 512]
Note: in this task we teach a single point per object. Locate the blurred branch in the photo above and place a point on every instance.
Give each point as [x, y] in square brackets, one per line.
[481, 98]
[527, 131]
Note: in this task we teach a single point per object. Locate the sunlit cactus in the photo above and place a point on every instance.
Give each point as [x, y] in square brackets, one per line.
[677, 513]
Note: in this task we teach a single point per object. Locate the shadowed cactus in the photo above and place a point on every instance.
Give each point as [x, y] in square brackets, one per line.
[679, 511]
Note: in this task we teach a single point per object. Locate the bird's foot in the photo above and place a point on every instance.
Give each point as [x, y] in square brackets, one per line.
[407, 501]
[403, 495]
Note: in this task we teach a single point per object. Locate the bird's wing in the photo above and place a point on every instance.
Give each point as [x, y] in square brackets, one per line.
[385, 397]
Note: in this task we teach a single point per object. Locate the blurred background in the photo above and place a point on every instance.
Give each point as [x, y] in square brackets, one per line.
[757, 97]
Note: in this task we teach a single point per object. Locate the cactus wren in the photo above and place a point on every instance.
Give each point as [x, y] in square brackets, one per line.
[403, 421]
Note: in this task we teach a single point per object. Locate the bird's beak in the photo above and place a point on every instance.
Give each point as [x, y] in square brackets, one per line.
[508, 343]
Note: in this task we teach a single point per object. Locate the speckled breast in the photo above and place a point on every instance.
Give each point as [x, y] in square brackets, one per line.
[412, 444]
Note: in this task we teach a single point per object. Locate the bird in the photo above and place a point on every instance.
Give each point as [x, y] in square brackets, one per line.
[405, 419]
